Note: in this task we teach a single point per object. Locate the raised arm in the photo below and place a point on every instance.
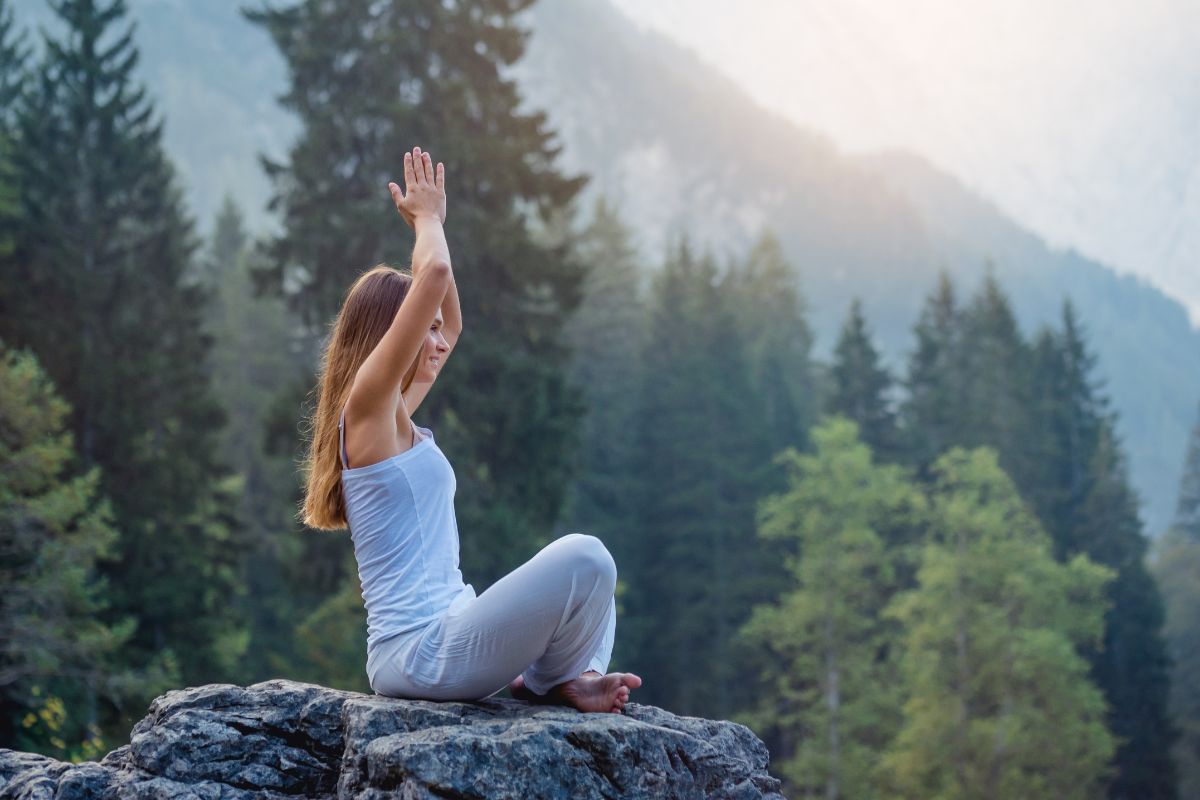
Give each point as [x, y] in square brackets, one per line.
[377, 383]
[432, 246]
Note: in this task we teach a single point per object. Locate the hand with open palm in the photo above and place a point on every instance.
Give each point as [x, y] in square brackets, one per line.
[424, 188]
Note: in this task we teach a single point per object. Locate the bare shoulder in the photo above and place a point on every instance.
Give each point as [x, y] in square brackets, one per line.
[374, 434]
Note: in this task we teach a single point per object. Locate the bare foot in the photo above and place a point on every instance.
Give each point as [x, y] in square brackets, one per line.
[591, 691]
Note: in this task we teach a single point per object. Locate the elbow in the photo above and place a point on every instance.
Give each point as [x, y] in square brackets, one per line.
[437, 270]
[439, 267]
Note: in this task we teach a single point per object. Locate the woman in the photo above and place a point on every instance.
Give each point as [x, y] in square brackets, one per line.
[551, 621]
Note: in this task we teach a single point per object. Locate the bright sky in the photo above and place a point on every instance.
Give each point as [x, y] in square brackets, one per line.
[1079, 118]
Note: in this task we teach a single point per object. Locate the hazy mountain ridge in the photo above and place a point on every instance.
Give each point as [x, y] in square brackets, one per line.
[678, 146]
[1081, 122]
[1149, 355]
[703, 156]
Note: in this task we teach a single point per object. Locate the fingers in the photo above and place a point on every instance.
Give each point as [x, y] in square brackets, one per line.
[410, 178]
[420, 159]
[419, 169]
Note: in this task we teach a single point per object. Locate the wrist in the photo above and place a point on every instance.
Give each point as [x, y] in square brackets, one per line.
[427, 218]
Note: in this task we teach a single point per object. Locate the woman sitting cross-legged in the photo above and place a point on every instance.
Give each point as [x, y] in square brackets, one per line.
[551, 621]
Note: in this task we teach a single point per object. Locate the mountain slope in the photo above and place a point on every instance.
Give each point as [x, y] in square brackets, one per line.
[677, 146]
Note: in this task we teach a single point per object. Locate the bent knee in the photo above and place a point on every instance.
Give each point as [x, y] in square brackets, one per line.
[590, 553]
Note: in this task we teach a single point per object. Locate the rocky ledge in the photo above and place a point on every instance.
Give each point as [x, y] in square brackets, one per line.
[283, 739]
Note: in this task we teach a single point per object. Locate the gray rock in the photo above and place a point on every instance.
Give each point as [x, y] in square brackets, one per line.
[283, 739]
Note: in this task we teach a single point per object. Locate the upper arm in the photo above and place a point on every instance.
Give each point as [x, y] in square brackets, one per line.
[377, 381]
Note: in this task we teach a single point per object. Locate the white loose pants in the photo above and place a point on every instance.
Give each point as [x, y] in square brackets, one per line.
[550, 619]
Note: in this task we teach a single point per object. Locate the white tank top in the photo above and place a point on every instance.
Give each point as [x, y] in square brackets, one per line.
[401, 517]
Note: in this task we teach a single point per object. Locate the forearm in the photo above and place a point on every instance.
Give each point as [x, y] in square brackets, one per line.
[431, 244]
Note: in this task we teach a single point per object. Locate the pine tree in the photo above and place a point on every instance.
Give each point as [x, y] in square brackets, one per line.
[53, 529]
[368, 81]
[97, 289]
[606, 336]
[770, 313]
[698, 570]
[931, 415]
[1187, 510]
[861, 385]
[1078, 487]
[830, 698]
[998, 701]
[9, 209]
[1177, 572]
[251, 358]
[12, 79]
[1068, 409]
[1131, 665]
[13, 56]
[997, 396]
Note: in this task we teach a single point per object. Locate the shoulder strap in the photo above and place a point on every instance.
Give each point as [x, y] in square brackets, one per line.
[342, 440]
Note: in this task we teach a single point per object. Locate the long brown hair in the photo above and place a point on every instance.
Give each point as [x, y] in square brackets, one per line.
[367, 313]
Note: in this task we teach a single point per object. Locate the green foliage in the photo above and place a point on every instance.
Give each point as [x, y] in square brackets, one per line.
[771, 317]
[703, 457]
[98, 288]
[930, 413]
[862, 385]
[606, 336]
[251, 358]
[42, 730]
[54, 529]
[12, 78]
[1079, 487]
[1069, 412]
[330, 641]
[9, 208]
[1131, 664]
[12, 64]
[996, 398]
[1187, 509]
[969, 381]
[1177, 570]
[975, 382]
[368, 80]
[998, 702]
[830, 698]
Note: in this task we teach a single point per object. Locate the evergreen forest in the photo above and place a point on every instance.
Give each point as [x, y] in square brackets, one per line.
[931, 582]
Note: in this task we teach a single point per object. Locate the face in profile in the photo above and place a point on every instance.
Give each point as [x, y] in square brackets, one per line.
[432, 352]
